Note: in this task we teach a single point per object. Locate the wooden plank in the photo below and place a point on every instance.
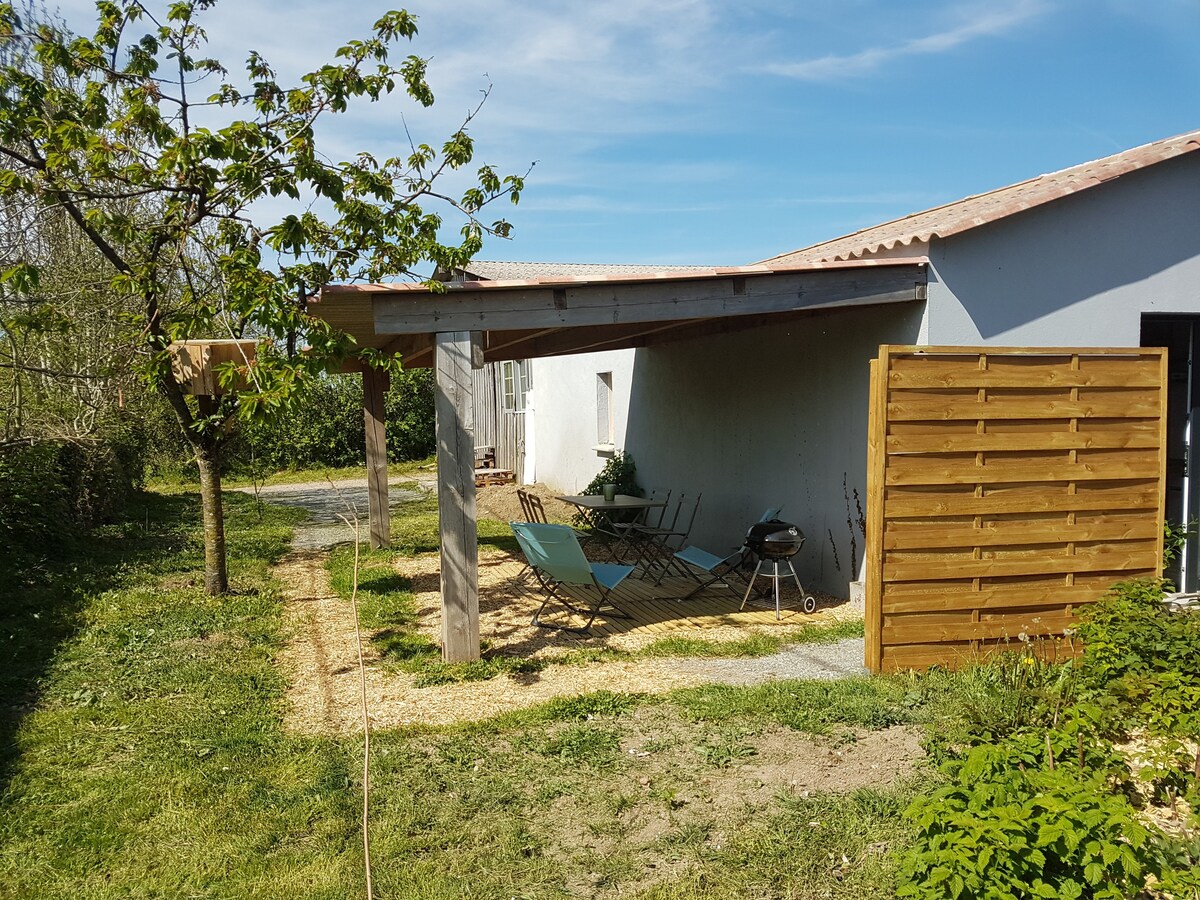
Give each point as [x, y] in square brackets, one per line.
[375, 386]
[903, 410]
[456, 499]
[900, 508]
[969, 353]
[1010, 597]
[921, 656]
[659, 300]
[1020, 533]
[873, 552]
[1026, 473]
[1109, 375]
[1036, 564]
[937, 442]
[1033, 626]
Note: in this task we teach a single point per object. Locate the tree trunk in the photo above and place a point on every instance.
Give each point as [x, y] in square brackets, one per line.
[216, 577]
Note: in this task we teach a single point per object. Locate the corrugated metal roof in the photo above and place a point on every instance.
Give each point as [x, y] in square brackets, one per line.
[484, 270]
[962, 215]
[678, 273]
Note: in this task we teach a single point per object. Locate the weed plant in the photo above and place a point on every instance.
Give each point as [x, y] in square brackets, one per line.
[1038, 802]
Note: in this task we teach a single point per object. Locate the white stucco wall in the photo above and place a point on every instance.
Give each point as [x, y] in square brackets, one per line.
[564, 392]
[1080, 271]
[775, 415]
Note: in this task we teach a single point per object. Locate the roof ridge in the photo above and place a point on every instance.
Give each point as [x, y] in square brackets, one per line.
[1134, 158]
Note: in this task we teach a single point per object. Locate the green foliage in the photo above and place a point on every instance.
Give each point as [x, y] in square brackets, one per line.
[584, 744]
[1010, 823]
[1146, 656]
[1010, 691]
[103, 133]
[327, 429]
[619, 470]
[1175, 535]
[54, 492]
[813, 707]
[723, 748]
[1038, 802]
[589, 706]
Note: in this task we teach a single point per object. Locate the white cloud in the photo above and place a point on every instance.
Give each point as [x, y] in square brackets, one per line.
[978, 23]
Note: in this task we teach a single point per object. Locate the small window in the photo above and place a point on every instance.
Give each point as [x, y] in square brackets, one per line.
[515, 373]
[604, 411]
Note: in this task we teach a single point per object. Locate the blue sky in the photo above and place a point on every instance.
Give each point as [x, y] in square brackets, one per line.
[695, 131]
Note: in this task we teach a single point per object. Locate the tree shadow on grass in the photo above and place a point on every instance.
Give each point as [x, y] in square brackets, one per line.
[43, 601]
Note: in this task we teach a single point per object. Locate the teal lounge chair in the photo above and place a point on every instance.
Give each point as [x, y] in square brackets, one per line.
[554, 555]
[709, 569]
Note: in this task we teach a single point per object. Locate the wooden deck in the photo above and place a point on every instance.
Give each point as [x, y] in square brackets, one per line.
[657, 609]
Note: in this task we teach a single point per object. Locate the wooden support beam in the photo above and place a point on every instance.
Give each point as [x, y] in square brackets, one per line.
[416, 350]
[615, 303]
[375, 385]
[456, 498]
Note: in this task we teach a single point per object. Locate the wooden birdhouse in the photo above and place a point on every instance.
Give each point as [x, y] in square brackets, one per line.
[194, 363]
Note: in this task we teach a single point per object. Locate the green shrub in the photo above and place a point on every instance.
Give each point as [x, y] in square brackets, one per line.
[53, 492]
[621, 471]
[1144, 655]
[1037, 801]
[1009, 823]
[324, 430]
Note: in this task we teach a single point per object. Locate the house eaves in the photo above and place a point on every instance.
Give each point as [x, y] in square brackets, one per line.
[911, 235]
[560, 314]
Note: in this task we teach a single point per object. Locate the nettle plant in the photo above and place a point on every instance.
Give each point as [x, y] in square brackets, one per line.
[1049, 803]
[1011, 822]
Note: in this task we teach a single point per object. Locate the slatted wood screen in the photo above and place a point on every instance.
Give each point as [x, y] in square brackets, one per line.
[1005, 488]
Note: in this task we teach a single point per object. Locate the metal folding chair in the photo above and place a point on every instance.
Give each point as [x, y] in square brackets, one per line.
[659, 544]
[717, 568]
[628, 531]
[554, 555]
[531, 506]
[709, 569]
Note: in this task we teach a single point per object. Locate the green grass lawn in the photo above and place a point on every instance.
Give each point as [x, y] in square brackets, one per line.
[142, 755]
[298, 476]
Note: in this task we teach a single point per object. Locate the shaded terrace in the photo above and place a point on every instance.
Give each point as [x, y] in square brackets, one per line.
[473, 323]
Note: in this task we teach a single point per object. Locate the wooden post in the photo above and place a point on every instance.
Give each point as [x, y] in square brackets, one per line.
[876, 458]
[456, 498]
[375, 385]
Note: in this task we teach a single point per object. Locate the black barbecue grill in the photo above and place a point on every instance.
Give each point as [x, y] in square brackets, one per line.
[775, 543]
[774, 539]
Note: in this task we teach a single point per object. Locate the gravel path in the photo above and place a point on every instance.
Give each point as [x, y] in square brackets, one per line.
[841, 659]
[327, 502]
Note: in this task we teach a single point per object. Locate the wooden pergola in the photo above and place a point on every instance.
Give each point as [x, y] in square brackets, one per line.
[473, 323]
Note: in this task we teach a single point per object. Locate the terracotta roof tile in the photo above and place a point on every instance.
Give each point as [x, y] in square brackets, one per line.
[484, 270]
[679, 273]
[962, 215]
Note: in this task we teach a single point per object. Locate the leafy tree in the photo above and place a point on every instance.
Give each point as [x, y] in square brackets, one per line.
[64, 346]
[156, 155]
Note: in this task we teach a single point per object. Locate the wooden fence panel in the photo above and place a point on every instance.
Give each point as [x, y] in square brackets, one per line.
[1006, 487]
